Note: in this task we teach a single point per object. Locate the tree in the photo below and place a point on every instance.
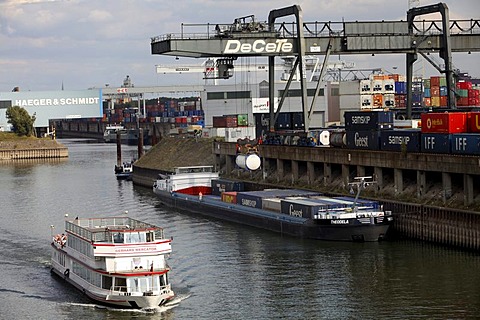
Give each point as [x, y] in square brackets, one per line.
[21, 121]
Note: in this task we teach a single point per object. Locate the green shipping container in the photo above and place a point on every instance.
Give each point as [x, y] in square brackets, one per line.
[426, 83]
[462, 93]
[242, 120]
[443, 82]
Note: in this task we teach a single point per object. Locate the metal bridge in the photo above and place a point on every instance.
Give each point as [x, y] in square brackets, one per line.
[246, 37]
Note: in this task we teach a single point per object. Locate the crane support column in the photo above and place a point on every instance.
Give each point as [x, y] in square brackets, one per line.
[274, 14]
[445, 51]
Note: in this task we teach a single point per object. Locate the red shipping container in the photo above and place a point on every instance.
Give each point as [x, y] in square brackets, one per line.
[443, 101]
[472, 93]
[473, 122]
[229, 197]
[219, 122]
[462, 101]
[434, 81]
[464, 85]
[427, 102]
[232, 121]
[473, 101]
[451, 122]
[435, 91]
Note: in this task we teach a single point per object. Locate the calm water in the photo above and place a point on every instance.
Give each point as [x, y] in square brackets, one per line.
[219, 270]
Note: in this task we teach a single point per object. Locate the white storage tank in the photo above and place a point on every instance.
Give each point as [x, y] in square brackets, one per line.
[250, 162]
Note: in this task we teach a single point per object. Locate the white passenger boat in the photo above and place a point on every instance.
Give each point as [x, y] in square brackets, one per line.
[116, 261]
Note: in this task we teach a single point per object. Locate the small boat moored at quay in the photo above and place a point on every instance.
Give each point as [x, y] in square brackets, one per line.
[124, 171]
[117, 261]
[294, 212]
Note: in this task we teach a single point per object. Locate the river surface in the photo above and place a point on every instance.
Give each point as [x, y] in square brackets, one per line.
[220, 270]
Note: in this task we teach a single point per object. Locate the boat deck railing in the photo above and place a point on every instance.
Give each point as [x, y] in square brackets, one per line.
[100, 229]
[129, 291]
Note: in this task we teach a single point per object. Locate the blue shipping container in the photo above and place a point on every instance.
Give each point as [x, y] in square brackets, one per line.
[366, 140]
[417, 97]
[368, 120]
[427, 93]
[436, 142]
[400, 87]
[224, 185]
[443, 91]
[392, 140]
[305, 208]
[466, 143]
[284, 121]
[297, 121]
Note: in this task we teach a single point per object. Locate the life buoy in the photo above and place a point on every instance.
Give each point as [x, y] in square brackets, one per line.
[66, 273]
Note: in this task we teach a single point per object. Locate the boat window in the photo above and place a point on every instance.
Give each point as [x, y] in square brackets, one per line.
[118, 237]
[135, 237]
[121, 284]
[149, 237]
[106, 282]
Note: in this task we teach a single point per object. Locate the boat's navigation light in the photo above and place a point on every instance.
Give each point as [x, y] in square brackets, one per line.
[126, 212]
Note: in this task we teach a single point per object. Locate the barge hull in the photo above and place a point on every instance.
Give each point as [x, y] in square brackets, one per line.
[276, 222]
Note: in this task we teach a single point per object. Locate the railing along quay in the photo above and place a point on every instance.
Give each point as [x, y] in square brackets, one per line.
[439, 225]
[14, 154]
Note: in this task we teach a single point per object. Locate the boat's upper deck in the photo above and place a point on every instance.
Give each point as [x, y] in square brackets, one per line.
[114, 230]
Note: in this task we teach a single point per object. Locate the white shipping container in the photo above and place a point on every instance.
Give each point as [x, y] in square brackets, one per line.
[389, 86]
[233, 134]
[366, 101]
[365, 86]
[377, 86]
[210, 132]
[349, 87]
[351, 102]
[272, 204]
[406, 124]
[389, 100]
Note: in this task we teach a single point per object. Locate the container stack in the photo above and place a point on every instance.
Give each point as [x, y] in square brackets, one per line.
[467, 95]
[451, 132]
[285, 121]
[231, 127]
[380, 91]
[363, 128]
[178, 113]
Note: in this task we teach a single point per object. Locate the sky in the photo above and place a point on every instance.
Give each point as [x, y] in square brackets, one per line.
[81, 44]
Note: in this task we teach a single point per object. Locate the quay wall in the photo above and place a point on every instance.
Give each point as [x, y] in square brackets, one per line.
[418, 218]
[17, 154]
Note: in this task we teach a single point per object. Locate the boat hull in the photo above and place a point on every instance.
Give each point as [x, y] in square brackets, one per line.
[350, 230]
[102, 296]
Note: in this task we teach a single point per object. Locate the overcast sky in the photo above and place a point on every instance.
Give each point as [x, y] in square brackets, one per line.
[90, 43]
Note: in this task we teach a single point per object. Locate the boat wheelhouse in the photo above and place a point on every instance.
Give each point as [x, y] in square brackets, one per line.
[117, 261]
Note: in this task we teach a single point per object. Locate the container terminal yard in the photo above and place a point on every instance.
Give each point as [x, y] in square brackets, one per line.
[415, 135]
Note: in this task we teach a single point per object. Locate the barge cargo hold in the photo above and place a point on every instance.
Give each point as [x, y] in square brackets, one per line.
[301, 213]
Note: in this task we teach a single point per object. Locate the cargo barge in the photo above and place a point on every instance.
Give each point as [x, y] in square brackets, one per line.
[293, 212]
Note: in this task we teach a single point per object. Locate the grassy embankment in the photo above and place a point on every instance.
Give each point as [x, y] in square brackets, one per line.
[9, 140]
